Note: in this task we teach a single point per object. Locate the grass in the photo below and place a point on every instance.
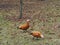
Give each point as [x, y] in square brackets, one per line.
[49, 11]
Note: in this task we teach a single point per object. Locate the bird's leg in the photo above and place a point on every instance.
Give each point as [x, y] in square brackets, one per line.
[37, 38]
[33, 38]
[24, 31]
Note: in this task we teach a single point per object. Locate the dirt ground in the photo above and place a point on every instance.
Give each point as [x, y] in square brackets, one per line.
[44, 16]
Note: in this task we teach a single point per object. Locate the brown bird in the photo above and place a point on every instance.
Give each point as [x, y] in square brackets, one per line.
[24, 26]
[37, 34]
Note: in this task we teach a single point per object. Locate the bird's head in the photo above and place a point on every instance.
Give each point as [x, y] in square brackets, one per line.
[28, 20]
[42, 36]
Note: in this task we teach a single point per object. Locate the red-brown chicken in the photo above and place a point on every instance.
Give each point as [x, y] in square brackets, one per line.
[24, 26]
[37, 34]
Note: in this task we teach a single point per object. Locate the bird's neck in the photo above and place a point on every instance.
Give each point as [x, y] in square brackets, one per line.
[28, 23]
